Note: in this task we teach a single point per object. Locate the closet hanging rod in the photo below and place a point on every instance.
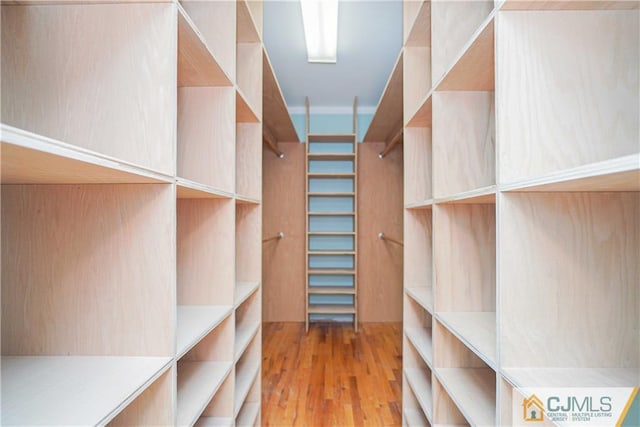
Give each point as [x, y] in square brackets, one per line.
[394, 141]
[381, 236]
[271, 142]
[278, 236]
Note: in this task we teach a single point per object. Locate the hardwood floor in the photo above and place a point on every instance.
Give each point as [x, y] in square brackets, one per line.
[332, 376]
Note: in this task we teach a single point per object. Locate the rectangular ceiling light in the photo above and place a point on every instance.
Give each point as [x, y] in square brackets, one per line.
[320, 20]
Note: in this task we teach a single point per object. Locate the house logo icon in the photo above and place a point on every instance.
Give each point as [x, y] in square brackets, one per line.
[533, 410]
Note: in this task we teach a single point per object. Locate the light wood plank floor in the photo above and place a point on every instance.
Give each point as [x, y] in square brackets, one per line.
[332, 376]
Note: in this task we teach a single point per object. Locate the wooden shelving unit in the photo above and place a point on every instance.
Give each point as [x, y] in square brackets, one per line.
[521, 193]
[131, 206]
[331, 226]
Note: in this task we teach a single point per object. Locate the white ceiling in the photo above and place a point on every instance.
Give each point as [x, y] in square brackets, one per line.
[369, 41]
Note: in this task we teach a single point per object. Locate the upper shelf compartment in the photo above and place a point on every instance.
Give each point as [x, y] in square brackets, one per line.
[417, 23]
[247, 28]
[197, 63]
[276, 116]
[387, 119]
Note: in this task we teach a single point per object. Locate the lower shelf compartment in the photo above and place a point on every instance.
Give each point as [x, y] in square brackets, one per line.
[420, 382]
[73, 390]
[423, 295]
[245, 377]
[474, 392]
[198, 382]
[422, 341]
[244, 335]
[477, 330]
[415, 418]
[248, 415]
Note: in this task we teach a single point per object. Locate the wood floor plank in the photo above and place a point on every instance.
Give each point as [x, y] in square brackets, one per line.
[331, 376]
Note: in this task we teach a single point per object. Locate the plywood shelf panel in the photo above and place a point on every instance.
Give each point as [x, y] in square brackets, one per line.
[249, 78]
[276, 117]
[417, 84]
[247, 30]
[249, 161]
[572, 377]
[620, 174]
[197, 65]
[28, 158]
[214, 422]
[248, 415]
[422, 117]
[73, 390]
[196, 321]
[332, 290]
[420, 382]
[421, 339]
[567, 5]
[423, 295]
[187, 189]
[473, 70]
[244, 290]
[420, 34]
[245, 332]
[331, 309]
[480, 196]
[415, 418]
[245, 378]
[198, 382]
[477, 330]
[473, 391]
[387, 119]
[245, 113]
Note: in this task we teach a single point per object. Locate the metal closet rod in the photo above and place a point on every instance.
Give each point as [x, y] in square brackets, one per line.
[381, 236]
[278, 236]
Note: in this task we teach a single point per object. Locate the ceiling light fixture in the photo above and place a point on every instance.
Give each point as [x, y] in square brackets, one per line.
[320, 21]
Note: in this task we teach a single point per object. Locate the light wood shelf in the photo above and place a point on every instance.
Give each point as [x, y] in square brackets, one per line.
[567, 5]
[187, 189]
[418, 29]
[243, 291]
[197, 384]
[248, 415]
[245, 333]
[473, 390]
[245, 113]
[214, 422]
[417, 165]
[73, 390]
[246, 27]
[423, 295]
[620, 174]
[415, 418]
[245, 378]
[572, 377]
[420, 382]
[480, 196]
[422, 341]
[276, 116]
[477, 330]
[56, 162]
[196, 321]
[387, 118]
